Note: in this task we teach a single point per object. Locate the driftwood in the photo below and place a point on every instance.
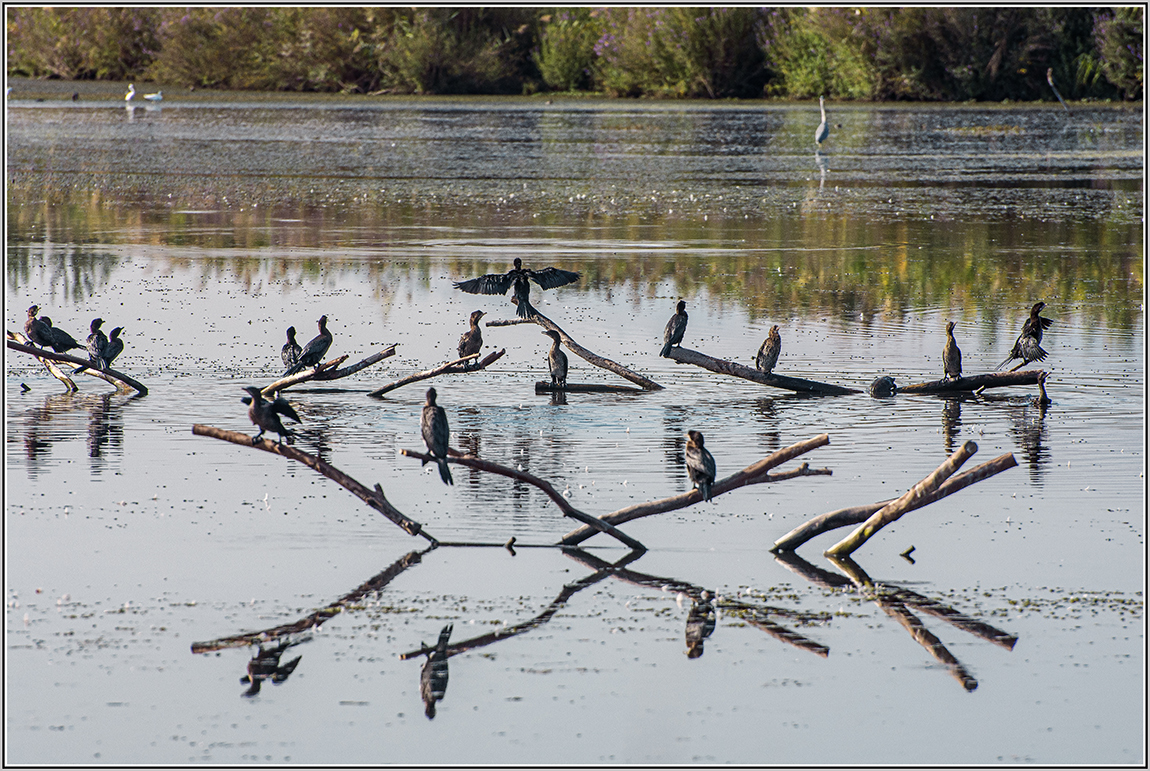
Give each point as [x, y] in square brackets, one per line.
[975, 382]
[312, 620]
[454, 456]
[756, 473]
[542, 387]
[450, 368]
[374, 498]
[857, 514]
[327, 371]
[892, 511]
[645, 383]
[110, 375]
[724, 367]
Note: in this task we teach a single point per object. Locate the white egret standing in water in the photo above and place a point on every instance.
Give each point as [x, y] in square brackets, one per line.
[131, 92]
[1050, 80]
[823, 130]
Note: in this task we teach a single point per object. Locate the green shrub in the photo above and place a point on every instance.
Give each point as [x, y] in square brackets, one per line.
[81, 43]
[566, 53]
[1118, 38]
[820, 51]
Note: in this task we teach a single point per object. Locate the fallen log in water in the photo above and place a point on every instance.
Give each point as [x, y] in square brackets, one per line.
[754, 474]
[450, 368]
[856, 514]
[975, 382]
[117, 379]
[327, 371]
[578, 350]
[724, 367]
[373, 498]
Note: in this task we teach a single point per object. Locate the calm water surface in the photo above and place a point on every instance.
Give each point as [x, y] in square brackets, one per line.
[206, 227]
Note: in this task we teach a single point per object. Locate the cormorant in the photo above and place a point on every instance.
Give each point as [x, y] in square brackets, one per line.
[433, 676]
[556, 361]
[291, 351]
[313, 352]
[436, 435]
[61, 341]
[676, 326]
[97, 348]
[499, 283]
[1027, 347]
[768, 354]
[114, 348]
[36, 330]
[951, 356]
[472, 340]
[266, 415]
[823, 130]
[700, 464]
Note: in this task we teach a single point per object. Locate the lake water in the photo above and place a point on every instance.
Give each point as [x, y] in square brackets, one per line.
[207, 227]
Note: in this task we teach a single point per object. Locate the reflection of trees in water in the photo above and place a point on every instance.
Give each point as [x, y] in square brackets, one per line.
[76, 271]
[766, 417]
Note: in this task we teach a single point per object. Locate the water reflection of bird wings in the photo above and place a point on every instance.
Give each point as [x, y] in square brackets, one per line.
[265, 665]
[433, 676]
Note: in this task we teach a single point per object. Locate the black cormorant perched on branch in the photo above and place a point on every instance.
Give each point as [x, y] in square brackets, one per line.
[676, 326]
[700, 464]
[291, 351]
[266, 415]
[97, 348]
[518, 277]
[472, 340]
[556, 361]
[768, 355]
[951, 356]
[61, 341]
[313, 352]
[436, 435]
[36, 330]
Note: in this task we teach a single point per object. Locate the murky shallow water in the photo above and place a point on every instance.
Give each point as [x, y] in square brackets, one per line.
[208, 227]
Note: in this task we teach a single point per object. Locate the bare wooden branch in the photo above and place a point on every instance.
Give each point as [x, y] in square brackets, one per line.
[578, 350]
[117, 379]
[975, 382]
[542, 387]
[328, 371]
[450, 368]
[568, 510]
[49, 363]
[724, 367]
[373, 498]
[892, 511]
[756, 473]
[856, 514]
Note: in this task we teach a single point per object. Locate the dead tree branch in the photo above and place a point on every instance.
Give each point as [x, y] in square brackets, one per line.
[373, 498]
[645, 383]
[754, 474]
[450, 368]
[327, 371]
[724, 367]
[110, 375]
[975, 382]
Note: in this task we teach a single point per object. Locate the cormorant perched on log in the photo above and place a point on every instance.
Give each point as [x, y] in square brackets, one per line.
[472, 340]
[97, 348]
[518, 277]
[676, 326]
[769, 351]
[61, 341]
[266, 415]
[313, 353]
[700, 464]
[556, 361]
[1027, 347]
[36, 330]
[436, 435]
[951, 356]
[433, 676]
[114, 348]
[291, 351]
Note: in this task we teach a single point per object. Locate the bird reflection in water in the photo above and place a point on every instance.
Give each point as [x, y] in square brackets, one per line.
[1028, 427]
[57, 420]
[700, 624]
[951, 422]
[265, 665]
[433, 676]
[105, 429]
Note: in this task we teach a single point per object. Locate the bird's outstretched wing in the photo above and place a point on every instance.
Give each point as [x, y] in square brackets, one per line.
[1045, 322]
[549, 278]
[492, 283]
[282, 406]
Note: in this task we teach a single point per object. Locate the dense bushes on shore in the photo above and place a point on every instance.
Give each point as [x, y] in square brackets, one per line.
[882, 53]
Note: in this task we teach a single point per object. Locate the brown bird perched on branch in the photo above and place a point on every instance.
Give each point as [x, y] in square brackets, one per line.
[433, 676]
[436, 435]
[313, 353]
[769, 351]
[951, 356]
[556, 361]
[700, 464]
[472, 340]
[1027, 347]
[61, 341]
[676, 326]
[265, 414]
[36, 330]
[520, 278]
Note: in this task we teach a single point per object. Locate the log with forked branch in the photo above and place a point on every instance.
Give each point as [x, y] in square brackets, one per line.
[724, 367]
[450, 368]
[327, 370]
[976, 382]
[17, 342]
[578, 350]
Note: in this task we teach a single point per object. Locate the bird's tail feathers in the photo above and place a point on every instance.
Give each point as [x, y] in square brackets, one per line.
[445, 472]
[666, 350]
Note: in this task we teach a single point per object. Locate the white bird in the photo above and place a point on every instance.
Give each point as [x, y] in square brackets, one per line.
[156, 97]
[823, 130]
[131, 92]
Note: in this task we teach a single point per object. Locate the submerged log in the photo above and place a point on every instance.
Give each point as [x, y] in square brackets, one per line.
[327, 371]
[578, 350]
[110, 375]
[373, 498]
[724, 367]
[856, 514]
[542, 387]
[975, 382]
[450, 368]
